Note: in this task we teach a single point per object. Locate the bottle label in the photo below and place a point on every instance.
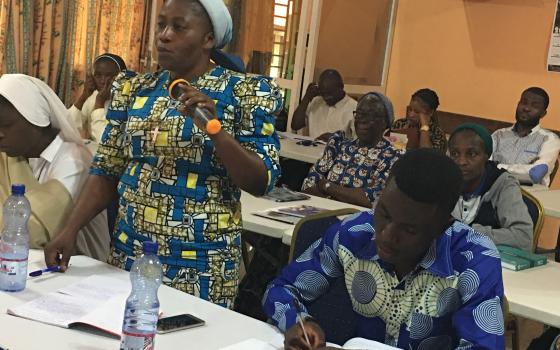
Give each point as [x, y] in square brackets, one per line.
[131, 341]
[13, 267]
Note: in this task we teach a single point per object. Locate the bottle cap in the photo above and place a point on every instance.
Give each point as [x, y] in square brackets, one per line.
[18, 189]
[150, 247]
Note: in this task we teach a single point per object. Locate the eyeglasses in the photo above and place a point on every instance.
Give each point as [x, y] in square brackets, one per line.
[367, 117]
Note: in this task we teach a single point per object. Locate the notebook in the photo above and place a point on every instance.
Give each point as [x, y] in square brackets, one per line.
[282, 194]
[96, 301]
[290, 215]
[300, 210]
[277, 216]
[277, 343]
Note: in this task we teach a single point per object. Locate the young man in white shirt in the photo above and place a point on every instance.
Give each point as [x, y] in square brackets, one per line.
[526, 150]
[326, 108]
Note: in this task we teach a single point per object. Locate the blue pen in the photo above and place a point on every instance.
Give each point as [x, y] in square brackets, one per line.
[55, 268]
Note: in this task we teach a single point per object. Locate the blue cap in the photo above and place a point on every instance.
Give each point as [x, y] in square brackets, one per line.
[149, 247]
[18, 189]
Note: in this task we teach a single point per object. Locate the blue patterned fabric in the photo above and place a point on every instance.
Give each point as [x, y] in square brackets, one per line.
[172, 187]
[452, 300]
[347, 164]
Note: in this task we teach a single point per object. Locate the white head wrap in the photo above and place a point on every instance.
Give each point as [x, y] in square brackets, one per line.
[221, 21]
[39, 104]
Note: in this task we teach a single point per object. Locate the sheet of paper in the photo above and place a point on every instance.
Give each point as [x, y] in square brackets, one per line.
[97, 301]
[108, 316]
[97, 287]
[55, 308]
[366, 344]
[252, 344]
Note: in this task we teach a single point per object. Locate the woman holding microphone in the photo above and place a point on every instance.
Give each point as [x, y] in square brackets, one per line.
[177, 177]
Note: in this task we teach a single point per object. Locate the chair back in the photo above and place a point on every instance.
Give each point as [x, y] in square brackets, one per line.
[554, 171]
[333, 310]
[536, 211]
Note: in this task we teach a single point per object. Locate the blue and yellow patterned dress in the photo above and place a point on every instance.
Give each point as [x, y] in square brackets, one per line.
[172, 187]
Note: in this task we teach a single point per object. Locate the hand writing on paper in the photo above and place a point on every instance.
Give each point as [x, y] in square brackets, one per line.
[294, 339]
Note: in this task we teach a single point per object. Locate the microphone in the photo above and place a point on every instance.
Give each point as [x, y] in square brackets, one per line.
[213, 126]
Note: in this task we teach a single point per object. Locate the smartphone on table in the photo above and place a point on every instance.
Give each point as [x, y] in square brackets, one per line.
[178, 322]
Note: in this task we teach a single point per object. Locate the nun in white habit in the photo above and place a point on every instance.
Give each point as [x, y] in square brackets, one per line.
[40, 148]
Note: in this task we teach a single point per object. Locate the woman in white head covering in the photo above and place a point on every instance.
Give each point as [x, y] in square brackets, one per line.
[178, 180]
[41, 149]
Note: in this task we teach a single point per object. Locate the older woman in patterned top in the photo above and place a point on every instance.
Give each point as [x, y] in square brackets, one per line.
[178, 181]
[355, 171]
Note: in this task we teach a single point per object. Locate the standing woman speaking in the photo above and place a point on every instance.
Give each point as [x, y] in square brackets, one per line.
[177, 179]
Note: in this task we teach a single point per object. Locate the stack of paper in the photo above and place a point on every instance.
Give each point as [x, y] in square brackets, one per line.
[96, 301]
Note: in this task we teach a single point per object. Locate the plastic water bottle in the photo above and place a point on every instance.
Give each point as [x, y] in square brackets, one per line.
[142, 306]
[14, 244]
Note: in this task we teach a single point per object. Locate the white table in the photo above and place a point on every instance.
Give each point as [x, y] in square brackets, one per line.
[276, 229]
[309, 154]
[535, 293]
[223, 327]
[550, 201]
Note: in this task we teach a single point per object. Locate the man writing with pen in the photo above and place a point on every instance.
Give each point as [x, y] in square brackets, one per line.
[416, 278]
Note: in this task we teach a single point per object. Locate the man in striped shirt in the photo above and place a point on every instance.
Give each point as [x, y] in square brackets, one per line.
[525, 149]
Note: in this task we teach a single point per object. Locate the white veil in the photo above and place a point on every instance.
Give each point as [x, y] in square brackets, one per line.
[40, 105]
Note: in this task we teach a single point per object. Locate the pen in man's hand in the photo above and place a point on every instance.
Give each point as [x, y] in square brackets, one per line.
[300, 320]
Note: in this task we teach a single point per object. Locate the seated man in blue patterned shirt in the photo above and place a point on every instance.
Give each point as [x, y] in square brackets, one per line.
[416, 278]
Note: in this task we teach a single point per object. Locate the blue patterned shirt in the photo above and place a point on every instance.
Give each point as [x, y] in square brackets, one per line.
[452, 300]
[347, 164]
